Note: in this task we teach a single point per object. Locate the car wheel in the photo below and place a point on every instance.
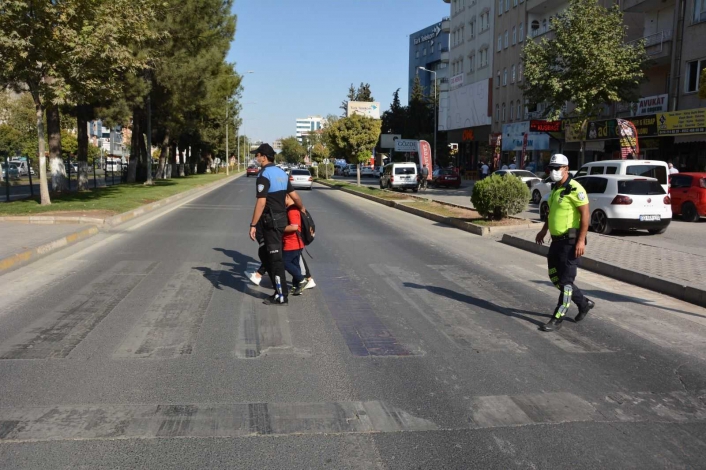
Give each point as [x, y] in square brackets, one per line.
[600, 223]
[689, 212]
[536, 196]
[389, 186]
[544, 212]
[657, 231]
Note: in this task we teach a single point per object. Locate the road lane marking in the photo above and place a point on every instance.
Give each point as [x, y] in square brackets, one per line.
[447, 311]
[56, 334]
[58, 423]
[362, 330]
[173, 319]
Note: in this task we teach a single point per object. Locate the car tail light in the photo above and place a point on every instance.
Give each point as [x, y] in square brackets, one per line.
[667, 200]
[392, 179]
[291, 178]
[622, 200]
[311, 179]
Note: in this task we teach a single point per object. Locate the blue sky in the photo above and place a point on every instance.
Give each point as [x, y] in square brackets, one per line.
[305, 54]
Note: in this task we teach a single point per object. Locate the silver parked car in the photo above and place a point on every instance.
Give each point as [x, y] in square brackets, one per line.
[300, 179]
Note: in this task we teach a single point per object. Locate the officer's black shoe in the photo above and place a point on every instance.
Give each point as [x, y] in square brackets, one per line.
[582, 313]
[553, 324]
[276, 300]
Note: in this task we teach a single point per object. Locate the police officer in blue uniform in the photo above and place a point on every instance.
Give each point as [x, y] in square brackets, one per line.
[272, 188]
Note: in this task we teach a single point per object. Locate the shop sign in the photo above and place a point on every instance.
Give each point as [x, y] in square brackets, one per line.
[467, 135]
[652, 104]
[545, 126]
[574, 131]
[645, 125]
[690, 121]
[514, 137]
[456, 81]
[406, 145]
[493, 139]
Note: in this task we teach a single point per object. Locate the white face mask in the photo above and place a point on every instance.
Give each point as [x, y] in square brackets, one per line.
[556, 175]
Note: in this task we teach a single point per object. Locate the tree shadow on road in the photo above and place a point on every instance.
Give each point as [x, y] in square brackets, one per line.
[526, 315]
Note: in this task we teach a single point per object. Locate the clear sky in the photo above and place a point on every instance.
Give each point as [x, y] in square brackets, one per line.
[305, 54]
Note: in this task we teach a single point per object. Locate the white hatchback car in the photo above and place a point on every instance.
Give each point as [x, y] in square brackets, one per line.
[300, 179]
[527, 177]
[620, 202]
[366, 171]
[540, 188]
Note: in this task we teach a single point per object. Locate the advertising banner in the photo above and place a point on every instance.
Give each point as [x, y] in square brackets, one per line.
[514, 138]
[690, 121]
[651, 105]
[456, 81]
[364, 108]
[574, 131]
[387, 141]
[545, 126]
[425, 156]
[407, 145]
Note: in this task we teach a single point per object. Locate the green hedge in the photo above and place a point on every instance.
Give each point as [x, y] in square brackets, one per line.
[497, 196]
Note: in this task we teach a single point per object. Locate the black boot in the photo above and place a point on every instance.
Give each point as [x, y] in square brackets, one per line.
[584, 311]
[276, 299]
[553, 324]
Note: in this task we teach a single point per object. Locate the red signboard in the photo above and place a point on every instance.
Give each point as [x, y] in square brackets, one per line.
[425, 155]
[467, 135]
[545, 126]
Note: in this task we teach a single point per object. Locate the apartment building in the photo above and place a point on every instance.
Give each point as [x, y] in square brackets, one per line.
[426, 47]
[467, 114]
[672, 118]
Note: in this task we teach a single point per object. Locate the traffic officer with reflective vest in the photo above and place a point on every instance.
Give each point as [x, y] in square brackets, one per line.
[272, 187]
[567, 223]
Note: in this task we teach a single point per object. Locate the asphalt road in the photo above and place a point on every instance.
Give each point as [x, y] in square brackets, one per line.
[146, 347]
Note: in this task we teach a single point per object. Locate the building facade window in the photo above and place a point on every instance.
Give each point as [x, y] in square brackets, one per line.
[504, 112]
[504, 77]
[699, 11]
[506, 39]
[471, 62]
[512, 109]
[514, 3]
[485, 21]
[424, 52]
[512, 76]
[500, 42]
[463, 30]
[416, 54]
[507, 5]
[693, 75]
[522, 32]
[519, 111]
[497, 113]
[519, 73]
[498, 84]
[500, 7]
[484, 57]
[472, 28]
[514, 35]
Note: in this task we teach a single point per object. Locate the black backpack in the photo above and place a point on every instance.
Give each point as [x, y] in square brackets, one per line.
[308, 229]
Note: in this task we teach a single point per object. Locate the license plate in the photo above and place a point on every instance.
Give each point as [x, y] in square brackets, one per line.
[451, 179]
[650, 218]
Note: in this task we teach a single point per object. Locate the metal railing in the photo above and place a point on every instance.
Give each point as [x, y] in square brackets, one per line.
[656, 39]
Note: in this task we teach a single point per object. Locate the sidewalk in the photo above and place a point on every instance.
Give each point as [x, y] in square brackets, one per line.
[669, 271]
[20, 237]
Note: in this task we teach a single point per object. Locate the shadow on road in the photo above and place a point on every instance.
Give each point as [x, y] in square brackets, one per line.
[231, 275]
[485, 304]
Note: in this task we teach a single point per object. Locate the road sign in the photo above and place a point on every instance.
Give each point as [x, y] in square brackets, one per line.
[406, 145]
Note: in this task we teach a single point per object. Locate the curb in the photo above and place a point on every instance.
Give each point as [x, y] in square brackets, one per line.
[34, 254]
[683, 292]
[29, 256]
[480, 230]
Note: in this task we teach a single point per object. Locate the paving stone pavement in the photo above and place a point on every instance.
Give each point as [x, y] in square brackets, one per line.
[665, 263]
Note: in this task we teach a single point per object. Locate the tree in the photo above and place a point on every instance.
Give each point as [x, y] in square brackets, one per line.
[702, 86]
[353, 138]
[319, 153]
[587, 63]
[292, 150]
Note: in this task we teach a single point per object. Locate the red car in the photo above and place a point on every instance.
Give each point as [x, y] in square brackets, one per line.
[252, 170]
[446, 178]
[688, 193]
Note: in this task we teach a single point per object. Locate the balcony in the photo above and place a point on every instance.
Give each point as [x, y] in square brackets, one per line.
[445, 25]
[658, 46]
[444, 55]
[443, 85]
[643, 6]
[541, 6]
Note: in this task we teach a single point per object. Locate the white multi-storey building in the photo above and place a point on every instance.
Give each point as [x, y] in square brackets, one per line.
[470, 58]
[309, 124]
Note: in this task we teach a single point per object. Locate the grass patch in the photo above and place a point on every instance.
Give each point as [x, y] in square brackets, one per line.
[110, 200]
[371, 190]
[467, 215]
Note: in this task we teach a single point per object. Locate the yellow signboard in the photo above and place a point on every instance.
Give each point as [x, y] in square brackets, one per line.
[690, 121]
[574, 132]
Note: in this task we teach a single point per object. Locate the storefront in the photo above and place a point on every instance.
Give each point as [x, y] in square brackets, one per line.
[529, 144]
[678, 137]
[472, 147]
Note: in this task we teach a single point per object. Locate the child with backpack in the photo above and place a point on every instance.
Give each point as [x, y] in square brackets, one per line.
[292, 246]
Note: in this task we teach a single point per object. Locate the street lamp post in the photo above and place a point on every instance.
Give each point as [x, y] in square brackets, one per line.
[433, 159]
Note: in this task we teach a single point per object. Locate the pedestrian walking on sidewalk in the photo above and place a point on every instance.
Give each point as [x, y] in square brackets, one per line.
[567, 224]
[272, 188]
